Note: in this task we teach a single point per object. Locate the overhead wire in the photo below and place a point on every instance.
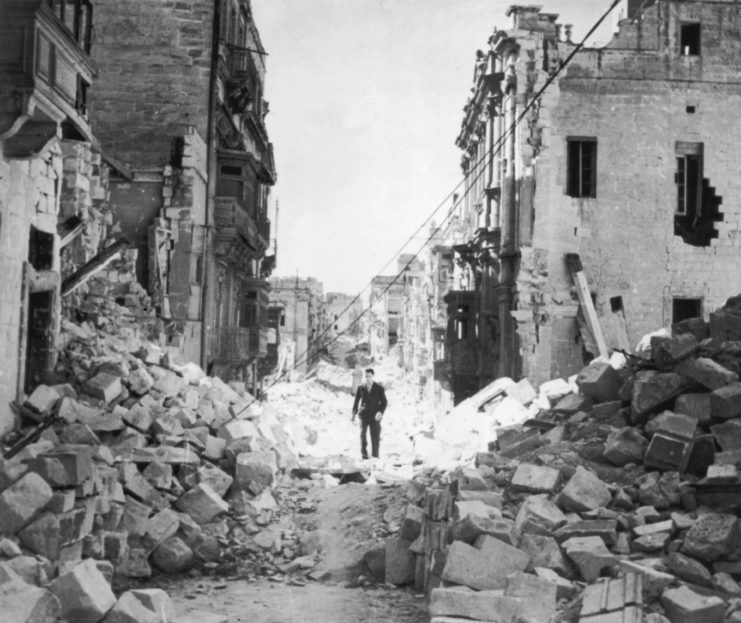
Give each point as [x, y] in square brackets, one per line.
[481, 163]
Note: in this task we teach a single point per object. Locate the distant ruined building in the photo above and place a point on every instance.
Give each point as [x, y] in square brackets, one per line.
[629, 160]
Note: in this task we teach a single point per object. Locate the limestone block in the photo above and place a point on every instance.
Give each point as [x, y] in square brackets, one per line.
[237, 429]
[21, 501]
[490, 498]
[158, 474]
[202, 503]
[462, 603]
[28, 604]
[471, 527]
[584, 492]
[216, 478]
[161, 527]
[590, 556]
[694, 405]
[606, 529]
[651, 390]
[42, 399]
[474, 507]
[172, 555]
[725, 402]
[84, 593]
[599, 381]
[483, 566]
[411, 525]
[712, 536]
[537, 594]
[683, 605]
[522, 391]
[215, 448]
[538, 515]
[256, 470]
[535, 478]
[105, 386]
[707, 373]
[139, 417]
[129, 609]
[545, 552]
[167, 383]
[572, 403]
[689, 569]
[625, 445]
[399, 562]
[140, 381]
[156, 600]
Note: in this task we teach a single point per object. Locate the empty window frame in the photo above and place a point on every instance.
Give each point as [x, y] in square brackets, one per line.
[689, 39]
[581, 167]
[686, 308]
[688, 178]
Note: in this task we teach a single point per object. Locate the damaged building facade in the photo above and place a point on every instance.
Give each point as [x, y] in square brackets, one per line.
[54, 213]
[178, 107]
[621, 161]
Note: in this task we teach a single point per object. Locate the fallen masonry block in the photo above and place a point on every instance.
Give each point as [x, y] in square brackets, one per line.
[696, 326]
[606, 529]
[514, 442]
[683, 605]
[77, 462]
[573, 403]
[613, 596]
[728, 435]
[21, 501]
[522, 392]
[701, 456]
[105, 386]
[599, 381]
[237, 429]
[490, 498]
[712, 536]
[583, 492]
[462, 603]
[654, 581]
[535, 478]
[399, 562]
[172, 555]
[471, 527]
[164, 454]
[134, 564]
[537, 594]
[565, 589]
[483, 567]
[83, 593]
[129, 609]
[689, 569]
[161, 527]
[166, 383]
[138, 416]
[158, 474]
[135, 516]
[721, 474]
[28, 604]
[694, 405]
[42, 399]
[625, 445]
[411, 525]
[156, 600]
[538, 515]
[11, 472]
[670, 423]
[216, 478]
[202, 503]
[667, 453]
[725, 402]
[545, 552]
[651, 390]
[666, 352]
[474, 507]
[590, 556]
[707, 373]
[215, 448]
[256, 471]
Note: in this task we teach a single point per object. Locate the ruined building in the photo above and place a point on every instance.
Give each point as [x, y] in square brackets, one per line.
[178, 108]
[625, 161]
[298, 305]
[53, 200]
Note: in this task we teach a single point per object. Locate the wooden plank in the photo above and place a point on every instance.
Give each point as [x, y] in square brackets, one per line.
[585, 300]
[96, 264]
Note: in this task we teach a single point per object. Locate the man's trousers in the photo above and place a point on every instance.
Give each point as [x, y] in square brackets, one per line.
[375, 435]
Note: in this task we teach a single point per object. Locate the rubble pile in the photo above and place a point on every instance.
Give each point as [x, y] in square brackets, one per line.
[148, 465]
[617, 502]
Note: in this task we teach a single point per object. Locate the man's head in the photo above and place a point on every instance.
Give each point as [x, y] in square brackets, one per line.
[369, 374]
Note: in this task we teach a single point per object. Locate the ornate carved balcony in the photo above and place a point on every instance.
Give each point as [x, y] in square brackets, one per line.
[234, 224]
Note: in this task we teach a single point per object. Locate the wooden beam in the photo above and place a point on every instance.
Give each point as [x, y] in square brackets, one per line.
[96, 264]
[587, 305]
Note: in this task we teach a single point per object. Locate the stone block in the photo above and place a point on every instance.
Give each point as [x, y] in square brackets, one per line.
[135, 516]
[696, 326]
[590, 556]
[718, 474]
[522, 391]
[166, 383]
[701, 456]
[728, 435]
[490, 498]
[23, 603]
[161, 527]
[77, 461]
[462, 603]
[538, 515]
[237, 429]
[625, 445]
[158, 474]
[105, 386]
[667, 352]
[139, 417]
[215, 448]
[571, 404]
[689, 569]
[599, 381]
[12, 471]
[202, 503]
[535, 478]
[683, 605]
[471, 527]
[565, 589]
[216, 478]
[479, 568]
[583, 492]
[134, 565]
[399, 562]
[545, 552]
[22, 500]
[474, 507]
[156, 600]
[42, 400]
[670, 423]
[516, 442]
[256, 470]
[83, 592]
[667, 453]
[411, 525]
[655, 581]
[606, 529]
[129, 609]
[707, 373]
[172, 556]
[140, 381]
[538, 596]
[651, 391]
[694, 405]
[712, 536]
[725, 402]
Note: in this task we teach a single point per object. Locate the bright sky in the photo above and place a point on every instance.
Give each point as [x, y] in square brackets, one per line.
[366, 101]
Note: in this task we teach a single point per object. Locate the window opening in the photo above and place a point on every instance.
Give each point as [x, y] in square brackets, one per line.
[689, 39]
[685, 308]
[582, 167]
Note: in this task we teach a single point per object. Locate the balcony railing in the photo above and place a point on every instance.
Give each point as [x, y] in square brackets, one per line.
[232, 219]
[242, 343]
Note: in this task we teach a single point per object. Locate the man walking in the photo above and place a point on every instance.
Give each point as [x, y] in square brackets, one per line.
[370, 403]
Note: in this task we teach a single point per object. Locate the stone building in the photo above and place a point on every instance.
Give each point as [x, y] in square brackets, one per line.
[178, 107]
[625, 160]
[302, 321]
[53, 208]
[343, 311]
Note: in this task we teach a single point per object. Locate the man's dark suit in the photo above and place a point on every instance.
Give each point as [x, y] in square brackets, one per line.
[369, 402]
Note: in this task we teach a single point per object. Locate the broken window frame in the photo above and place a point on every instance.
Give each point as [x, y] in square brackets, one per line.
[76, 16]
[688, 178]
[581, 166]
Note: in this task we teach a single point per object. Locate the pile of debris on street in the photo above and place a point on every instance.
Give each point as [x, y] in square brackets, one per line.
[618, 502]
[132, 462]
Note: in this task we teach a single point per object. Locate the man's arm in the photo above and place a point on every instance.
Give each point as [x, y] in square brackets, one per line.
[382, 403]
[357, 400]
